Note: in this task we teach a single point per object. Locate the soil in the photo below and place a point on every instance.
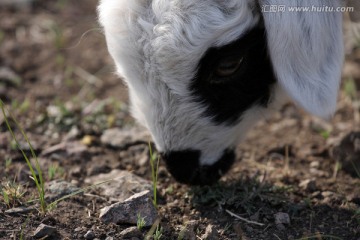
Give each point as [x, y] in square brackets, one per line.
[63, 90]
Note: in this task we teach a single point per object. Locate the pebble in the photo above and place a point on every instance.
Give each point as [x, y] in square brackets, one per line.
[131, 232]
[66, 150]
[43, 231]
[123, 185]
[315, 164]
[127, 211]
[120, 138]
[89, 235]
[19, 210]
[210, 233]
[59, 188]
[281, 217]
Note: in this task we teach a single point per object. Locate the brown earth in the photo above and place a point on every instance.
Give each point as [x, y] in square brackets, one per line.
[65, 91]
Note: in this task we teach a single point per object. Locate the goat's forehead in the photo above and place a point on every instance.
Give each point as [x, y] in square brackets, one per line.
[197, 23]
[173, 33]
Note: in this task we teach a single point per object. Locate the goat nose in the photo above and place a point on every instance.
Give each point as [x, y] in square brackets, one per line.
[185, 166]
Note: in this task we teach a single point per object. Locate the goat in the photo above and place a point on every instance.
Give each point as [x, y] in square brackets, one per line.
[200, 73]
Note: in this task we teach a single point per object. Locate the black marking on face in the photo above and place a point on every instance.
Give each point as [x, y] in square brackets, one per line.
[227, 88]
[184, 166]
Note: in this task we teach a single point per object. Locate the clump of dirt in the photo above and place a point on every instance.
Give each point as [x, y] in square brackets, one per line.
[57, 79]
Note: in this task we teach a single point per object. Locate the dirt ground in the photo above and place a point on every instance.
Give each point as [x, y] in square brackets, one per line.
[58, 80]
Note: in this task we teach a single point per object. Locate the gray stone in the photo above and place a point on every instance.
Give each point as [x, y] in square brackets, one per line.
[59, 188]
[120, 138]
[66, 149]
[282, 218]
[43, 231]
[123, 185]
[127, 211]
[210, 233]
[131, 232]
[20, 210]
[89, 235]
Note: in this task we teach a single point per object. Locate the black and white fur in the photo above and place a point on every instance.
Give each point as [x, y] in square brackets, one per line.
[169, 53]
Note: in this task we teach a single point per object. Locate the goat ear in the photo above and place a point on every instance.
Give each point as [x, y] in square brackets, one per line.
[306, 50]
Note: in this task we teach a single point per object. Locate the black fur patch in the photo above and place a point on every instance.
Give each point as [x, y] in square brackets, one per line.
[185, 168]
[226, 99]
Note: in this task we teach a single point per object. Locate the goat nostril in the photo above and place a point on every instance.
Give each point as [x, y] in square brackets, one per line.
[185, 167]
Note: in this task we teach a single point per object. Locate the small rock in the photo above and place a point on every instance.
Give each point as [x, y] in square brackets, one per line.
[43, 231]
[60, 188]
[128, 210]
[123, 185]
[66, 149]
[72, 134]
[54, 111]
[315, 164]
[309, 185]
[119, 138]
[20, 210]
[9, 76]
[282, 218]
[89, 235]
[75, 171]
[318, 173]
[109, 238]
[327, 194]
[348, 153]
[131, 232]
[210, 233]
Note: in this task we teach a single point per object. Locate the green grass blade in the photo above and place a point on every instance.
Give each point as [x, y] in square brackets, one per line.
[38, 182]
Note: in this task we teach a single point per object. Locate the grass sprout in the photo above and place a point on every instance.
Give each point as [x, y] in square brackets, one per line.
[140, 222]
[158, 233]
[8, 162]
[350, 88]
[36, 173]
[154, 163]
[12, 193]
[55, 171]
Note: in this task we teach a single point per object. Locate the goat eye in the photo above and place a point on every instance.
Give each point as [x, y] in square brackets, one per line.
[228, 67]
